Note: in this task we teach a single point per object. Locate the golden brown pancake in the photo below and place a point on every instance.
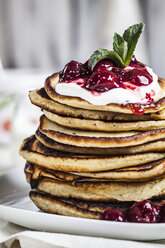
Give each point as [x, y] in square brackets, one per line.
[72, 207]
[155, 146]
[67, 205]
[80, 103]
[97, 139]
[35, 152]
[136, 173]
[102, 191]
[57, 205]
[42, 100]
[97, 125]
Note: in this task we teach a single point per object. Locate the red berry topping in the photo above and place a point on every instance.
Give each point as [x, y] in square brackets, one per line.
[162, 213]
[149, 97]
[71, 70]
[135, 63]
[104, 65]
[121, 74]
[157, 209]
[85, 70]
[138, 77]
[113, 215]
[136, 109]
[143, 212]
[102, 81]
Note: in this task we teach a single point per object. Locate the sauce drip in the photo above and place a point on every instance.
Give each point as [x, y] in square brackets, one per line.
[136, 109]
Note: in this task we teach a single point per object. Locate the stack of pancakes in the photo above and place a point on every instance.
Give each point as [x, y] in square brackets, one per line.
[85, 158]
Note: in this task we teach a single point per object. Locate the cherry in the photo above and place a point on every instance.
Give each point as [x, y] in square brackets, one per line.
[138, 77]
[117, 70]
[102, 81]
[120, 73]
[113, 215]
[157, 209]
[104, 65]
[143, 212]
[71, 70]
[135, 63]
[162, 213]
[85, 70]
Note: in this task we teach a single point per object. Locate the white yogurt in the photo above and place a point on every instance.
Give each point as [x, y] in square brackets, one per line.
[116, 95]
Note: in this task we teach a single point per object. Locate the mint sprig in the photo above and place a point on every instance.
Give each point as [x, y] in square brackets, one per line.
[104, 54]
[123, 48]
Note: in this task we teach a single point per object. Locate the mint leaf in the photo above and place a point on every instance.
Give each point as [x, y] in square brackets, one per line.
[105, 54]
[117, 41]
[120, 46]
[116, 59]
[123, 48]
[131, 35]
[97, 55]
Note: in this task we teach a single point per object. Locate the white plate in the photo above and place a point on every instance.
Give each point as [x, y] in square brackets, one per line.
[16, 207]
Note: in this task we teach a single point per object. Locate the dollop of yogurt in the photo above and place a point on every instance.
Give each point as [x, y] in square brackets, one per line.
[122, 93]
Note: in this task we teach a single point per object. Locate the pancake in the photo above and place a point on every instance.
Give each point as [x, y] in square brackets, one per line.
[155, 146]
[70, 206]
[83, 209]
[35, 172]
[102, 191]
[97, 125]
[97, 139]
[42, 100]
[80, 103]
[35, 152]
[136, 173]
[56, 205]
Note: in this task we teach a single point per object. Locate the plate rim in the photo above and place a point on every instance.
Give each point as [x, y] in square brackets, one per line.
[150, 227]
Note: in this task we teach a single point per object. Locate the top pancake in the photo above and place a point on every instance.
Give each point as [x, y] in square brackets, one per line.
[80, 103]
[42, 100]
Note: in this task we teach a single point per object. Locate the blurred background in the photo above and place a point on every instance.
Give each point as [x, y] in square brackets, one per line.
[38, 37]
